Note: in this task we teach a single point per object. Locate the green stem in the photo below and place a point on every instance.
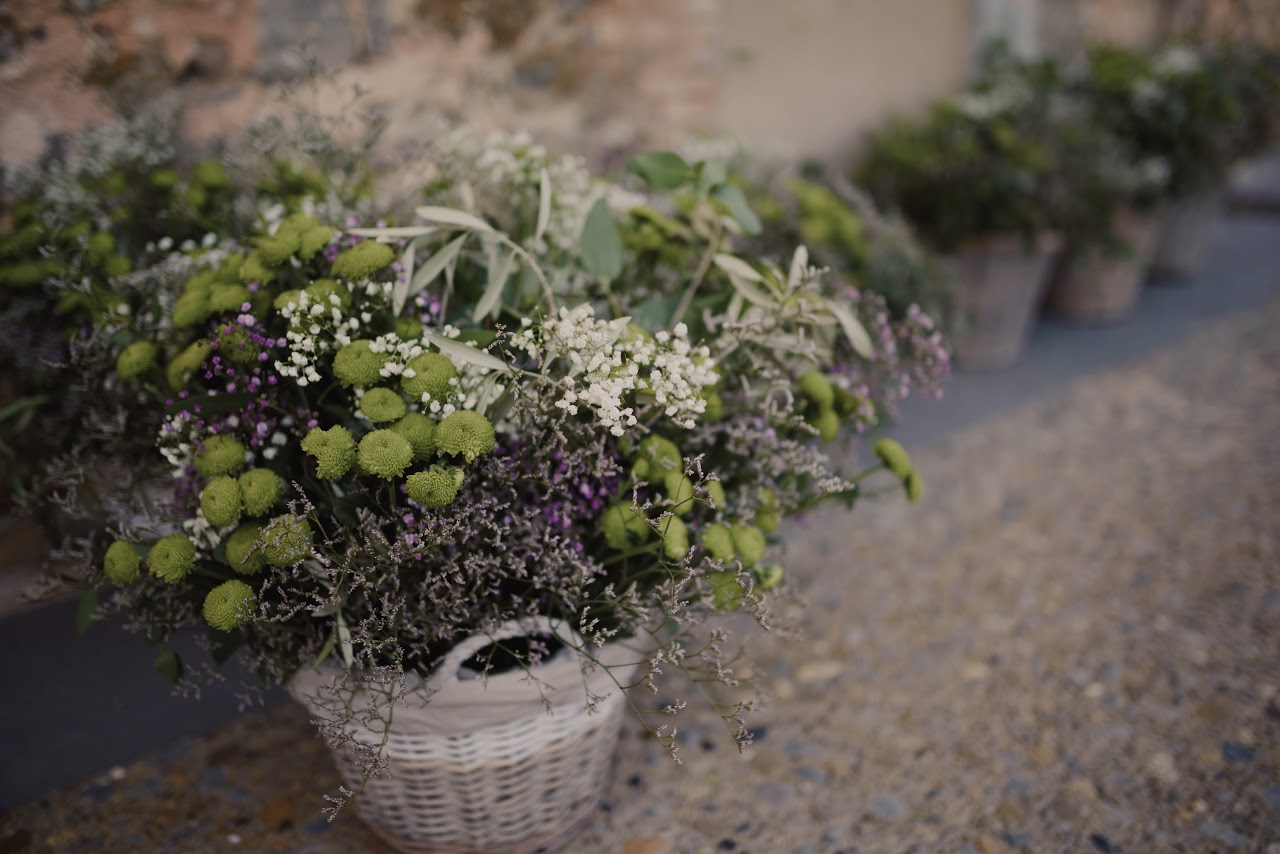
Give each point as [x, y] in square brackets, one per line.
[704, 264]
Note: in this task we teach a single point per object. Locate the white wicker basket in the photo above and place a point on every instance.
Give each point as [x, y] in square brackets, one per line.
[485, 765]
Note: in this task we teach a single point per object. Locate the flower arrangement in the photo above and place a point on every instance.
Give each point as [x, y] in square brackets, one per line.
[384, 439]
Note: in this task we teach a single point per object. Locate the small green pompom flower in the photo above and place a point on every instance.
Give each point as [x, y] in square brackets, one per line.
[768, 577]
[431, 375]
[381, 405]
[221, 501]
[334, 450]
[284, 298]
[187, 363]
[220, 455]
[228, 605]
[623, 526]
[913, 485]
[136, 359]
[363, 260]
[211, 174]
[320, 290]
[286, 540]
[121, 562]
[768, 511]
[675, 537]
[815, 386]
[715, 491]
[893, 455]
[99, 246]
[172, 558]
[224, 297]
[384, 453]
[466, 433]
[679, 490]
[748, 542]
[117, 265]
[421, 433]
[254, 270]
[313, 240]
[260, 489]
[408, 328]
[356, 365]
[235, 343]
[718, 542]
[191, 309]
[297, 223]
[827, 423]
[278, 248]
[845, 401]
[165, 179]
[436, 487]
[200, 283]
[726, 589]
[241, 554]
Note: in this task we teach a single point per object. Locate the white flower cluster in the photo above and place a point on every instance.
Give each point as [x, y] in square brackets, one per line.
[319, 327]
[611, 361]
[1177, 60]
[1006, 97]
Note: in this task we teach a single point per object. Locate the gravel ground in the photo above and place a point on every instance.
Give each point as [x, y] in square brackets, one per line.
[1072, 643]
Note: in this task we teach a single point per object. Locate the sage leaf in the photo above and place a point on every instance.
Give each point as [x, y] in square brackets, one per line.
[344, 640]
[735, 202]
[601, 245]
[463, 353]
[398, 232]
[450, 216]
[499, 270]
[428, 271]
[853, 329]
[544, 204]
[735, 266]
[169, 665]
[665, 170]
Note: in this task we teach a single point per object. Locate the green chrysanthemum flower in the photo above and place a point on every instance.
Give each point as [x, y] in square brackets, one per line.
[186, 363]
[827, 423]
[381, 405]
[297, 223]
[286, 540]
[432, 373]
[220, 455]
[845, 401]
[815, 386]
[241, 553]
[466, 433]
[260, 489]
[211, 174]
[121, 562]
[436, 487]
[726, 590]
[278, 248]
[136, 359]
[893, 455]
[356, 365]
[224, 297]
[284, 298]
[384, 453]
[768, 577]
[913, 485]
[191, 309]
[768, 511]
[715, 491]
[172, 558]
[221, 501]
[748, 542]
[165, 179]
[117, 265]
[363, 260]
[313, 240]
[236, 343]
[254, 270]
[99, 246]
[656, 456]
[679, 490]
[320, 290]
[718, 542]
[228, 605]
[623, 526]
[200, 283]
[334, 450]
[675, 537]
[408, 328]
[421, 433]
[229, 269]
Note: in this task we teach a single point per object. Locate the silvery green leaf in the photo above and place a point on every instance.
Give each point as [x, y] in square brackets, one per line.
[450, 216]
[735, 266]
[463, 353]
[400, 293]
[428, 271]
[665, 170]
[736, 203]
[499, 269]
[853, 329]
[394, 233]
[544, 204]
[799, 263]
[734, 312]
[325, 650]
[344, 640]
[601, 245]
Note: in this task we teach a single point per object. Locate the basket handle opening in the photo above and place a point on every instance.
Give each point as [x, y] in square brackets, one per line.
[446, 673]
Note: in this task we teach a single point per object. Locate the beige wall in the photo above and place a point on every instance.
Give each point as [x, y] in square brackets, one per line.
[807, 77]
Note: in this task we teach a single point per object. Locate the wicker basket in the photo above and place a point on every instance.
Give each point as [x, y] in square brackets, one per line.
[488, 764]
[1093, 286]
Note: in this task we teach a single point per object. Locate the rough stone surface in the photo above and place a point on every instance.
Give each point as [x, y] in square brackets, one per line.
[1068, 645]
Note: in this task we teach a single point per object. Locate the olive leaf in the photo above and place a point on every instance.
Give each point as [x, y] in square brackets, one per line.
[450, 216]
[601, 245]
[463, 353]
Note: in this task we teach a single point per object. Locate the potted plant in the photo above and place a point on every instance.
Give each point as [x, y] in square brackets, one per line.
[489, 439]
[969, 178]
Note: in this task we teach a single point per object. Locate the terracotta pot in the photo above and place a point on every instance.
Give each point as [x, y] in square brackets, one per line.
[1188, 231]
[1001, 284]
[1093, 285]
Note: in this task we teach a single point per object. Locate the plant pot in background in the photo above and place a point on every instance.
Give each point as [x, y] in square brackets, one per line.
[1001, 284]
[1188, 231]
[1094, 285]
[486, 764]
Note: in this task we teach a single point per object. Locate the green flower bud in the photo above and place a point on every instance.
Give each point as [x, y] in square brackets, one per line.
[893, 455]
[436, 487]
[432, 373]
[827, 424]
[679, 491]
[815, 386]
[466, 433]
[715, 408]
[164, 179]
[221, 501]
[913, 486]
[228, 605]
[675, 537]
[356, 365]
[255, 270]
[136, 359]
[363, 260]
[661, 453]
[726, 590]
[227, 297]
[748, 542]
[313, 240]
[320, 290]
[766, 520]
[381, 405]
[623, 527]
[191, 310]
[242, 556]
[260, 489]
[641, 469]
[196, 197]
[220, 455]
[278, 248]
[718, 542]
[715, 491]
[421, 433]
[116, 266]
[334, 451]
[172, 558]
[186, 363]
[286, 540]
[99, 246]
[408, 328]
[211, 174]
[384, 453]
[845, 402]
[121, 562]
[768, 577]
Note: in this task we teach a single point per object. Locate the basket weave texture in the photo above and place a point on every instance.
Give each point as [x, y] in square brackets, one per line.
[497, 764]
